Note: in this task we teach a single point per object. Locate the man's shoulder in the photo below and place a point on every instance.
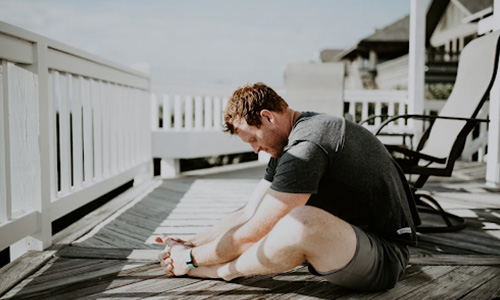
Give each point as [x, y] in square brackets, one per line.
[316, 126]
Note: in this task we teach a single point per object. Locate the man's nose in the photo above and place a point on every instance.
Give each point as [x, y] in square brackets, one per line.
[255, 148]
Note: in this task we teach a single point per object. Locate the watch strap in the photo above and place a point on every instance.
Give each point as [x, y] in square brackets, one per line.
[189, 260]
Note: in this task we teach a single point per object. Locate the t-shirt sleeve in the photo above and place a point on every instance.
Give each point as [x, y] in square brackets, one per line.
[300, 169]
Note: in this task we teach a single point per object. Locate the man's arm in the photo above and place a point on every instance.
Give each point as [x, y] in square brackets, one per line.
[213, 258]
[234, 219]
[234, 241]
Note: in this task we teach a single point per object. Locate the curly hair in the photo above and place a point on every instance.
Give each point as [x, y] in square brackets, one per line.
[247, 102]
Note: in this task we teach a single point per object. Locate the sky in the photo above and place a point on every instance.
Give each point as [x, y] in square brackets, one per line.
[227, 42]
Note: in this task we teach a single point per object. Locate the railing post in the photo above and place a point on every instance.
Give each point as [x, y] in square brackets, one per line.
[5, 179]
[47, 147]
[43, 237]
[416, 61]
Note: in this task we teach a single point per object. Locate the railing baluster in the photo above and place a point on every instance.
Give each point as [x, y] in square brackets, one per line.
[76, 108]
[364, 109]
[61, 84]
[167, 113]
[106, 124]
[217, 113]
[208, 113]
[378, 111]
[189, 113]
[178, 112]
[97, 120]
[88, 152]
[198, 113]
[114, 111]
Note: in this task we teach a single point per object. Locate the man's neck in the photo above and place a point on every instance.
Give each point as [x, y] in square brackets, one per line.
[292, 117]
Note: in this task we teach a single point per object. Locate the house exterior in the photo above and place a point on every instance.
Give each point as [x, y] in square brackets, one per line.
[380, 61]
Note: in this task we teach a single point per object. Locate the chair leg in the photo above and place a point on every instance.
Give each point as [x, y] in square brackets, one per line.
[427, 204]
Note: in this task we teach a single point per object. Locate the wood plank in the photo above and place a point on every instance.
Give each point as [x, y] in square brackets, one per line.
[102, 253]
[489, 290]
[285, 284]
[59, 272]
[454, 284]
[143, 289]
[83, 280]
[414, 278]
[24, 266]
[454, 259]
[84, 225]
[242, 288]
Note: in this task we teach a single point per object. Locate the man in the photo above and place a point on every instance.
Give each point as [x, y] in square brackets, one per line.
[332, 197]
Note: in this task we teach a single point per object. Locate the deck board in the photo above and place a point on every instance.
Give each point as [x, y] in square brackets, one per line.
[117, 258]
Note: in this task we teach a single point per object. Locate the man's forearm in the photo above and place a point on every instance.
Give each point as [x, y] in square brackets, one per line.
[232, 220]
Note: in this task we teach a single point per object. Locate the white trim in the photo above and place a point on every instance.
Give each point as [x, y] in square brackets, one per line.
[15, 50]
[35, 38]
[23, 226]
[65, 62]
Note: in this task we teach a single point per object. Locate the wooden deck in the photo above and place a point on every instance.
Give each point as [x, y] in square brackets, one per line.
[110, 254]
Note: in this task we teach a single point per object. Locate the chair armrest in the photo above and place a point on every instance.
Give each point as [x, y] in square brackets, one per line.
[426, 117]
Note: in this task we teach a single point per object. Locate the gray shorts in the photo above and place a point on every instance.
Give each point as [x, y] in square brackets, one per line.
[377, 264]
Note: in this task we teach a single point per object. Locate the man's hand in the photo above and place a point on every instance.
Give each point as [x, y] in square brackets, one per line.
[173, 258]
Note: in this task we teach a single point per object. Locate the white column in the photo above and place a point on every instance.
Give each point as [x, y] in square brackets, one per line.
[416, 63]
[493, 166]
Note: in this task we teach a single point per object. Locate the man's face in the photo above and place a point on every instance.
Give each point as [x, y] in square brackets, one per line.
[265, 138]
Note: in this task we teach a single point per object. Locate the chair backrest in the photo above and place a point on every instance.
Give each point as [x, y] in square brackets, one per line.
[476, 74]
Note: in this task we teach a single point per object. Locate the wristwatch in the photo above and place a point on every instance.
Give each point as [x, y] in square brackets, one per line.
[189, 260]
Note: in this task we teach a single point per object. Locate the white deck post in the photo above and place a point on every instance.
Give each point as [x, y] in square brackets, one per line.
[47, 151]
[416, 62]
[493, 164]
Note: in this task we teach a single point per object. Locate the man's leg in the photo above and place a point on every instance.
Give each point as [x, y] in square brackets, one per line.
[306, 233]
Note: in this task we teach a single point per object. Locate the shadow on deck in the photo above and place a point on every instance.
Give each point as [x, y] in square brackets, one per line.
[116, 257]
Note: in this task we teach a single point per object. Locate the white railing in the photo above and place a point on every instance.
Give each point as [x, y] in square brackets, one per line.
[194, 126]
[73, 128]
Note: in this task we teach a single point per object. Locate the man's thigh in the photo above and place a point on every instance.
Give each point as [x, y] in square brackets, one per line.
[377, 264]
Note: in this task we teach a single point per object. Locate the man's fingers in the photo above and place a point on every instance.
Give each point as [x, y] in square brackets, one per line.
[179, 240]
[166, 262]
[169, 269]
[163, 255]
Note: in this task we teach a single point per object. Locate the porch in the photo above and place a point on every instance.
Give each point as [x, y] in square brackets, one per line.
[111, 253]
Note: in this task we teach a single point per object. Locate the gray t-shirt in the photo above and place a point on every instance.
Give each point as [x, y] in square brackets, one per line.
[349, 173]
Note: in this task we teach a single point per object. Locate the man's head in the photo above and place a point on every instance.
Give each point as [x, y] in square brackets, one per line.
[247, 103]
[256, 113]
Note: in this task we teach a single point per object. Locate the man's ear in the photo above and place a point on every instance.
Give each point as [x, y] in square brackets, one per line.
[268, 115]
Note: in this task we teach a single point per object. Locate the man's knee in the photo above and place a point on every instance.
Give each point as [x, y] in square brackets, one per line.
[303, 223]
